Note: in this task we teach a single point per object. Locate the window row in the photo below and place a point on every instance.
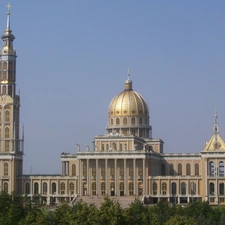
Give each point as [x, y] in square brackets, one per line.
[7, 65]
[179, 171]
[125, 121]
[216, 171]
[112, 188]
[174, 189]
[7, 89]
[111, 171]
[7, 75]
[52, 190]
[212, 188]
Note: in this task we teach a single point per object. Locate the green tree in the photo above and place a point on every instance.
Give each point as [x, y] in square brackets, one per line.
[136, 214]
[181, 220]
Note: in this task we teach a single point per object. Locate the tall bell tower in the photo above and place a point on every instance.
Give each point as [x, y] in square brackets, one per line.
[11, 146]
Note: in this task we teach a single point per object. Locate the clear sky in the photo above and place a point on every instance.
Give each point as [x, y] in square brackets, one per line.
[73, 57]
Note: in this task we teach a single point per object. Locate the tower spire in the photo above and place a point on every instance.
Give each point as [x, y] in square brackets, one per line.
[8, 19]
[216, 125]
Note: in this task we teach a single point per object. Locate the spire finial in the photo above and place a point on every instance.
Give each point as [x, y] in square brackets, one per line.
[215, 117]
[8, 17]
[128, 73]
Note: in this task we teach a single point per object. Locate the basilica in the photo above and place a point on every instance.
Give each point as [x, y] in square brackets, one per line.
[125, 161]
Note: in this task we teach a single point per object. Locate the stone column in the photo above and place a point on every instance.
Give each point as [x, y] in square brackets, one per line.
[134, 172]
[88, 178]
[106, 177]
[144, 178]
[62, 168]
[79, 178]
[206, 181]
[125, 176]
[115, 175]
[97, 179]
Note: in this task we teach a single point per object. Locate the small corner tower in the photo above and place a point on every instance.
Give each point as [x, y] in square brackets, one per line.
[11, 157]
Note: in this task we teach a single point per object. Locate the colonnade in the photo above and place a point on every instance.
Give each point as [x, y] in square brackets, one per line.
[112, 177]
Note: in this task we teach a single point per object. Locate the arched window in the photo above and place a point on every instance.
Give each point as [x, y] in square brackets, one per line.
[211, 189]
[193, 188]
[93, 186]
[10, 66]
[36, 188]
[10, 90]
[53, 188]
[4, 90]
[111, 121]
[133, 121]
[27, 188]
[188, 169]
[112, 186]
[107, 146]
[6, 169]
[174, 188]
[221, 169]
[7, 116]
[117, 121]
[140, 121]
[45, 188]
[103, 147]
[211, 168]
[7, 146]
[221, 186]
[73, 170]
[164, 188]
[62, 188]
[121, 168]
[6, 187]
[4, 65]
[183, 188]
[4, 75]
[171, 169]
[71, 188]
[6, 132]
[112, 170]
[121, 186]
[196, 169]
[179, 169]
[125, 121]
[130, 169]
[154, 188]
[131, 189]
[121, 147]
[163, 170]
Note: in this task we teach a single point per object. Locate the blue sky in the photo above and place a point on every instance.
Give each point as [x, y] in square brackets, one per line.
[73, 57]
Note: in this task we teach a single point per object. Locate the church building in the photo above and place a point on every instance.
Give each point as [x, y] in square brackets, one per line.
[125, 161]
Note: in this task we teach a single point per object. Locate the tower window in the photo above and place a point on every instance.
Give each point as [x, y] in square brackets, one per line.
[7, 146]
[6, 169]
[140, 121]
[6, 132]
[133, 121]
[124, 121]
[117, 121]
[7, 116]
[4, 65]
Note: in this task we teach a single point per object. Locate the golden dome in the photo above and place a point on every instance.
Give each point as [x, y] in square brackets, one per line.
[128, 103]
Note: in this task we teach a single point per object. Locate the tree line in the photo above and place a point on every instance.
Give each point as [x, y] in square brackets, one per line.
[16, 209]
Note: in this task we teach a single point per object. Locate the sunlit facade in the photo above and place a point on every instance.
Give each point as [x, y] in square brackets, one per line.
[125, 161]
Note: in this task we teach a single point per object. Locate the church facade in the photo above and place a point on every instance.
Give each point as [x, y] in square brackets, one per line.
[126, 161]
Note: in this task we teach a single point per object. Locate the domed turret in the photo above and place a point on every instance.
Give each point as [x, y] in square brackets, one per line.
[128, 113]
